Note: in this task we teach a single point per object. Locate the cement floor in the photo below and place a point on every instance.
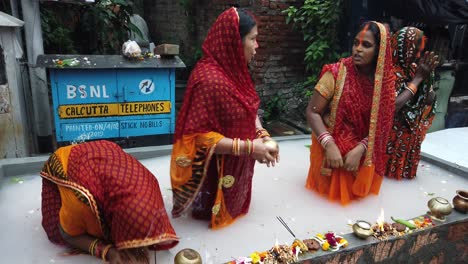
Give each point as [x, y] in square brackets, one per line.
[276, 191]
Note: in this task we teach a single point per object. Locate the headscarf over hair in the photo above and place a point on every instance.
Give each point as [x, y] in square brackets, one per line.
[223, 66]
[407, 43]
[122, 194]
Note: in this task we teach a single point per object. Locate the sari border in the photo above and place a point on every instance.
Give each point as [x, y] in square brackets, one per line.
[79, 188]
[189, 202]
[136, 243]
[379, 71]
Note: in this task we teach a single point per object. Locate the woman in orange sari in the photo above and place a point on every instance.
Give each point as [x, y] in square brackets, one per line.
[415, 103]
[218, 134]
[350, 114]
[98, 199]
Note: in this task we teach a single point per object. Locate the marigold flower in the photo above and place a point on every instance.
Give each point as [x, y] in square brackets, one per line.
[255, 258]
[325, 246]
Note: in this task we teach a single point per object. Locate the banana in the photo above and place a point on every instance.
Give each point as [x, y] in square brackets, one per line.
[404, 222]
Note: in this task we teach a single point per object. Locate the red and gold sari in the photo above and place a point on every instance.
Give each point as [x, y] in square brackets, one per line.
[359, 108]
[220, 101]
[415, 117]
[96, 188]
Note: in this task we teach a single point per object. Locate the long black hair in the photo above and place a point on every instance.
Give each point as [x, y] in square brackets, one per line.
[246, 22]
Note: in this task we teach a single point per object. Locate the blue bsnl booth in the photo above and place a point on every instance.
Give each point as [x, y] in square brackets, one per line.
[110, 97]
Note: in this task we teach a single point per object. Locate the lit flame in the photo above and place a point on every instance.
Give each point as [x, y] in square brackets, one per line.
[381, 220]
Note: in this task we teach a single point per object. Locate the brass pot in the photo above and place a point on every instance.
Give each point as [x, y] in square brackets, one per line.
[272, 143]
[362, 229]
[439, 208]
[460, 201]
[187, 256]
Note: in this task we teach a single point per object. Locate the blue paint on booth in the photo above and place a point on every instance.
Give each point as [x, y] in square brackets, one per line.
[111, 97]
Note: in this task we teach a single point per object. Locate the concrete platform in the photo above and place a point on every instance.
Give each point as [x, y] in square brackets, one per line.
[447, 148]
[276, 191]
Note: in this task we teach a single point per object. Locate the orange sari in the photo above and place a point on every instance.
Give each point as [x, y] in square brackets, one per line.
[96, 188]
[220, 101]
[358, 109]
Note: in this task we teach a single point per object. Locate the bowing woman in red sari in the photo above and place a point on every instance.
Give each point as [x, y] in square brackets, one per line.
[218, 134]
[100, 200]
[350, 114]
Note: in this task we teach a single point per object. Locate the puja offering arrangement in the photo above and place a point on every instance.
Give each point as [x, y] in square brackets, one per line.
[383, 230]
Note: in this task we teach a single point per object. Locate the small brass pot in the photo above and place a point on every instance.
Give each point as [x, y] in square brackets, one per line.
[187, 256]
[272, 143]
[362, 229]
[460, 201]
[439, 208]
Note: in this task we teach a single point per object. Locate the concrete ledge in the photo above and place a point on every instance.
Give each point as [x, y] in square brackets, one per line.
[445, 164]
[444, 243]
[31, 165]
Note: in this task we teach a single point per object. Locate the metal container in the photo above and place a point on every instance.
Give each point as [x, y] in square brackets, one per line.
[187, 256]
[362, 229]
[439, 208]
[460, 201]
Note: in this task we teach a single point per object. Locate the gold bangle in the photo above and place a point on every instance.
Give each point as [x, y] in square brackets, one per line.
[92, 246]
[104, 252]
[412, 87]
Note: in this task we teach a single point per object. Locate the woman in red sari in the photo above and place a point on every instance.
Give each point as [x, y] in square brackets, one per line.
[415, 103]
[350, 114]
[98, 199]
[218, 133]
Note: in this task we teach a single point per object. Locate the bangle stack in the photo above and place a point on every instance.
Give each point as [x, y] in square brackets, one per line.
[412, 88]
[236, 147]
[364, 142]
[261, 133]
[325, 138]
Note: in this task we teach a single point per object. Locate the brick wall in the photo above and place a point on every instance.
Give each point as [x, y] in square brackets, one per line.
[278, 65]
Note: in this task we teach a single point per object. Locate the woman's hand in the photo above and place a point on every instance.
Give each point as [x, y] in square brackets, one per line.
[263, 153]
[427, 64]
[353, 158]
[333, 157]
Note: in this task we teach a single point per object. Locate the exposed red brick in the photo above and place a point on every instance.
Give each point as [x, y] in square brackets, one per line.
[439, 259]
[423, 240]
[381, 250]
[458, 231]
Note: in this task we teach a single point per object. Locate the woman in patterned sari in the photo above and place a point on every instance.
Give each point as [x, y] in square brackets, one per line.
[414, 104]
[218, 133]
[350, 114]
[98, 199]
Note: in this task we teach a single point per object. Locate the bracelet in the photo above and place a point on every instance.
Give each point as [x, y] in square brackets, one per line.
[261, 133]
[235, 146]
[364, 142]
[105, 251]
[248, 147]
[325, 138]
[412, 88]
[92, 246]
